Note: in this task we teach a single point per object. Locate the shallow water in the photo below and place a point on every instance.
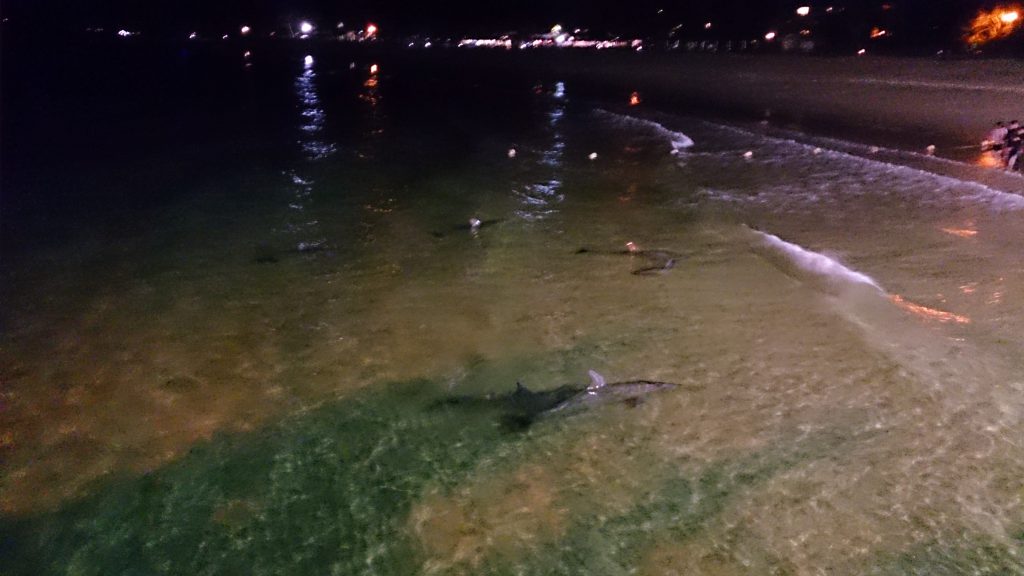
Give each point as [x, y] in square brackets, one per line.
[234, 365]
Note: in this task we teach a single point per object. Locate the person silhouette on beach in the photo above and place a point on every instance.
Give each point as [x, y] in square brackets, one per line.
[1013, 144]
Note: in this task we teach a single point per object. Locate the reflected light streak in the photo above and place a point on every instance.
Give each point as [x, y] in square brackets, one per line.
[926, 312]
[961, 232]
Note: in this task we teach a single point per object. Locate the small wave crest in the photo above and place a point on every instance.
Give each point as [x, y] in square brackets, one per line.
[677, 140]
[867, 300]
[819, 266]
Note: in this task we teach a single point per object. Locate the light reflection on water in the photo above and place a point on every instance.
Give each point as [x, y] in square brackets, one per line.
[815, 428]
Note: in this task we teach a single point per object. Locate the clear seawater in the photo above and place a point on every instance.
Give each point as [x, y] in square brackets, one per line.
[234, 290]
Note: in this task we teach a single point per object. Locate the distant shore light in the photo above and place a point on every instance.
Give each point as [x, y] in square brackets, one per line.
[803, 10]
[1010, 16]
[371, 29]
[305, 27]
[769, 36]
[308, 60]
[245, 30]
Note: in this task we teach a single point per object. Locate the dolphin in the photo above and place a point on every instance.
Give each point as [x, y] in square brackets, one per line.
[522, 407]
[660, 261]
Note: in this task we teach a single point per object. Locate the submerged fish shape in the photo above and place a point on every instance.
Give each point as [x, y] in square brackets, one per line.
[659, 261]
[522, 407]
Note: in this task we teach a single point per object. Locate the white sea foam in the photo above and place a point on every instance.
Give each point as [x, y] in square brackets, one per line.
[813, 263]
[677, 140]
[972, 192]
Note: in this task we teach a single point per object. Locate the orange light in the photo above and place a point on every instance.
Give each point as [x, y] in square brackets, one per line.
[928, 313]
[961, 232]
[634, 99]
[371, 30]
[989, 159]
[993, 25]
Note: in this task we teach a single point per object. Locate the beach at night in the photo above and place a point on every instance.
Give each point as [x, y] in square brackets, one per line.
[295, 308]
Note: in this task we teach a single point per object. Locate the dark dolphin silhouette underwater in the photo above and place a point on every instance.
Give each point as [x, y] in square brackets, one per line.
[522, 407]
[658, 261]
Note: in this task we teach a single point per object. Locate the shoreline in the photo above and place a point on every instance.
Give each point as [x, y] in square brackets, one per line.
[899, 105]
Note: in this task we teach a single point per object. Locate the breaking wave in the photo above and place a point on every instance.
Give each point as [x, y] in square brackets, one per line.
[677, 140]
[818, 266]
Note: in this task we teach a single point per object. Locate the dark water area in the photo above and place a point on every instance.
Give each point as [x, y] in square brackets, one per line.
[242, 285]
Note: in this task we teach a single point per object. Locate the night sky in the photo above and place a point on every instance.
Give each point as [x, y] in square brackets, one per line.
[919, 21]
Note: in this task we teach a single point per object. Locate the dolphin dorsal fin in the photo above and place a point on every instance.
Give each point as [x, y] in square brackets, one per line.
[596, 380]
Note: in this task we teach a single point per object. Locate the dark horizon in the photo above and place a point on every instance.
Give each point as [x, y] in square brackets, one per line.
[912, 23]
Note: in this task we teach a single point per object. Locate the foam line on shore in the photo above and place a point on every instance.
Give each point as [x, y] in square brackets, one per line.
[936, 85]
[678, 140]
[997, 199]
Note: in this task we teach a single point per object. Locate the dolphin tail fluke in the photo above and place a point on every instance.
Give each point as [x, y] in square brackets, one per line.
[596, 380]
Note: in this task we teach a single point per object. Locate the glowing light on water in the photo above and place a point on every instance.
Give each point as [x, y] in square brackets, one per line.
[245, 30]
[305, 27]
[308, 61]
[371, 30]
[373, 69]
[994, 24]
[926, 312]
[559, 90]
[803, 10]
[769, 36]
[961, 232]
